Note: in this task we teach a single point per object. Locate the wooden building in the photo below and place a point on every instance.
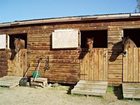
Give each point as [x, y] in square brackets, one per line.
[61, 43]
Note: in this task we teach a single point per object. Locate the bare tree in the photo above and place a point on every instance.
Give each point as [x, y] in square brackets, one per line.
[137, 9]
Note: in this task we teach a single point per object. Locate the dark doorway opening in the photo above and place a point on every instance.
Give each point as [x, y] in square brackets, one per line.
[20, 36]
[100, 38]
[134, 35]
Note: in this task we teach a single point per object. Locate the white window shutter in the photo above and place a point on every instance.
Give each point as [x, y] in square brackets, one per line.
[65, 38]
[3, 41]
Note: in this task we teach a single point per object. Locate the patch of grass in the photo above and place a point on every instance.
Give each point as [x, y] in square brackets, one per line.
[110, 89]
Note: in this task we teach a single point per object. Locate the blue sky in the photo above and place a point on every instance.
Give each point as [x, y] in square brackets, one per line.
[11, 10]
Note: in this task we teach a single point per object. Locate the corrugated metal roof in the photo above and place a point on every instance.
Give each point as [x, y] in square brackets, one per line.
[71, 19]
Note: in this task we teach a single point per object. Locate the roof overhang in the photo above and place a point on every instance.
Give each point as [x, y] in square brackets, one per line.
[71, 19]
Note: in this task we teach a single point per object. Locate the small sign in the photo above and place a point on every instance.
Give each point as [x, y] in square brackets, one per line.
[3, 41]
[65, 38]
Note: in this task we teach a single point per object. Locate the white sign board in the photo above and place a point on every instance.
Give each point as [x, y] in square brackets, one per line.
[2, 41]
[65, 38]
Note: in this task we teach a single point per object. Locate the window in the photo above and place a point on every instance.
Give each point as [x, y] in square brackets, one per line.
[100, 38]
[12, 38]
[134, 34]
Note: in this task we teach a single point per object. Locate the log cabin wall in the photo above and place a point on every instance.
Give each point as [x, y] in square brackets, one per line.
[64, 64]
[3, 63]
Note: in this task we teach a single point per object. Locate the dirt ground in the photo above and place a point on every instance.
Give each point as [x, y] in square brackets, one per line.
[56, 96]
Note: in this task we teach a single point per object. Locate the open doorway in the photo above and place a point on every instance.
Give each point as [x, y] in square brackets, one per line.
[93, 60]
[100, 38]
[131, 58]
[134, 35]
[19, 36]
[17, 60]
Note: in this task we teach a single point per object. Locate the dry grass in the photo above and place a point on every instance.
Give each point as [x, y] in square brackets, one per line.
[56, 96]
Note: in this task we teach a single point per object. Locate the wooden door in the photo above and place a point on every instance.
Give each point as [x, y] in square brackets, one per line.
[131, 65]
[18, 64]
[94, 64]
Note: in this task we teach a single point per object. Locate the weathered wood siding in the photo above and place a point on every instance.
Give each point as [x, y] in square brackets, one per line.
[18, 65]
[64, 64]
[131, 65]
[3, 63]
[94, 65]
[115, 57]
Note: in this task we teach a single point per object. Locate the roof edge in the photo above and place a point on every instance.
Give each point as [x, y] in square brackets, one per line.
[71, 19]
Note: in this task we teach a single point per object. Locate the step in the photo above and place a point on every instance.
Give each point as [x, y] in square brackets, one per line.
[90, 88]
[94, 86]
[9, 81]
[131, 90]
[93, 82]
[88, 93]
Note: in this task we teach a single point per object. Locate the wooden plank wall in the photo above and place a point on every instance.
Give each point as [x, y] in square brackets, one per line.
[3, 63]
[63, 63]
[115, 57]
[131, 65]
[39, 45]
